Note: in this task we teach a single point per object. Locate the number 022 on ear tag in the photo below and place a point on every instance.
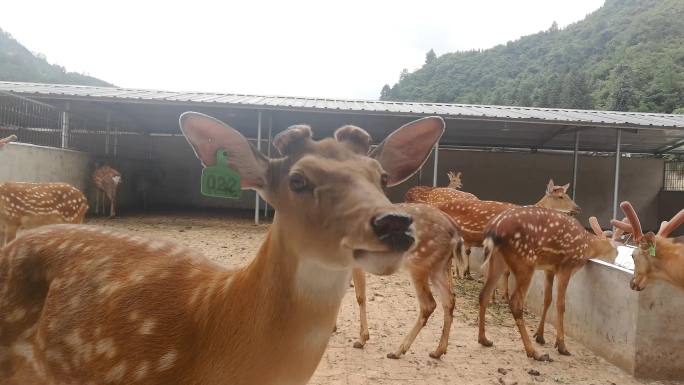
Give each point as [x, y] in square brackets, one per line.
[221, 181]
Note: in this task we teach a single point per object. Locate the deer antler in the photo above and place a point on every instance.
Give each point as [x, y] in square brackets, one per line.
[669, 226]
[593, 222]
[618, 231]
[633, 225]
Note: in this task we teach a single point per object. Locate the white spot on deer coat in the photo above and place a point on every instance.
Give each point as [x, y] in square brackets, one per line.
[16, 315]
[167, 360]
[116, 373]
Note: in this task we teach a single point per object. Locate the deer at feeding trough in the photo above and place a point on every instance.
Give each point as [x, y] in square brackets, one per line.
[526, 239]
[6, 140]
[428, 262]
[28, 205]
[472, 216]
[83, 304]
[107, 181]
[427, 194]
[657, 257]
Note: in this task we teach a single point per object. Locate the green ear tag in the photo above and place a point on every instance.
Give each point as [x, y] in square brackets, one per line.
[651, 249]
[221, 181]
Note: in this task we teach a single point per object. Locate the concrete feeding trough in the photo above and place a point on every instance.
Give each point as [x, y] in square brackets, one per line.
[640, 332]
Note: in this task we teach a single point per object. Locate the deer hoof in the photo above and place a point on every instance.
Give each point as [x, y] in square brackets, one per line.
[543, 357]
[358, 345]
[334, 328]
[436, 354]
[393, 356]
[539, 338]
[485, 342]
[562, 349]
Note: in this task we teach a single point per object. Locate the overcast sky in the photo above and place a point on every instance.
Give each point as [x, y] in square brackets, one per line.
[344, 49]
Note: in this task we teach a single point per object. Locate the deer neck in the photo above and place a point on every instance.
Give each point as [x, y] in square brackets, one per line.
[284, 305]
[599, 247]
[668, 263]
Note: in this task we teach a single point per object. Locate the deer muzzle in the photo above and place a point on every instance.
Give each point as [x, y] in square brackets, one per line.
[394, 230]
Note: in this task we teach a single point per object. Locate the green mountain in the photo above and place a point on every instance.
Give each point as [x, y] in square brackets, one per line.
[626, 56]
[18, 64]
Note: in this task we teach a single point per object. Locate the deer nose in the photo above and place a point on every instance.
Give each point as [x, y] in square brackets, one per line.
[394, 229]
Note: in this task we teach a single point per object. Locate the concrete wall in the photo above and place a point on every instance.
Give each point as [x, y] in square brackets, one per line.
[640, 332]
[521, 178]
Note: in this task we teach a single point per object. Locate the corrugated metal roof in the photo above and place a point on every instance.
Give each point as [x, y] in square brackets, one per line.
[457, 111]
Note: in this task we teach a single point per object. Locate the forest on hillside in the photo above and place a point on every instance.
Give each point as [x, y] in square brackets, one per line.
[626, 56]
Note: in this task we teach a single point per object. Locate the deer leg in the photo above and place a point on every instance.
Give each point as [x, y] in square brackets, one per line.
[427, 305]
[495, 268]
[359, 277]
[563, 280]
[466, 273]
[523, 278]
[442, 282]
[548, 291]
[10, 233]
[112, 201]
[506, 276]
[97, 202]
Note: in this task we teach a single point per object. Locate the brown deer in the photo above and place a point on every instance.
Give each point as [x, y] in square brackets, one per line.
[428, 262]
[107, 181]
[657, 257]
[528, 238]
[92, 305]
[6, 140]
[472, 216]
[420, 194]
[28, 205]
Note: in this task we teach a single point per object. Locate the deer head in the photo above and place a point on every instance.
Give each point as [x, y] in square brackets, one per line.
[557, 198]
[6, 140]
[455, 180]
[604, 245]
[646, 253]
[328, 195]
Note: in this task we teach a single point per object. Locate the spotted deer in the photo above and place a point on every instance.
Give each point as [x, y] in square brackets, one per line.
[421, 194]
[429, 262]
[29, 205]
[657, 257]
[91, 305]
[106, 181]
[472, 216]
[529, 238]
[6, 140]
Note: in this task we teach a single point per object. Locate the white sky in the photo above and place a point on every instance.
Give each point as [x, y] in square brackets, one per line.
[345, 49]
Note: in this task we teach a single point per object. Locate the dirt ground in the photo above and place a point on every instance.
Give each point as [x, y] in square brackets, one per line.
[392, 310]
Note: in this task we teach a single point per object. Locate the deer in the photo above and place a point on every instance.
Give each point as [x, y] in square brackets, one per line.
[428, 262]
[656, 257]
[530, 238]
[106, 181]
[421, 194]
[26, 205]
[88, 304]
[7, 140]
[472, 216]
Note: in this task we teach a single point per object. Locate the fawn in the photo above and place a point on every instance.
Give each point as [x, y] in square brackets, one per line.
[86, 304]
[106, 180]
[528, 238]
[421, 194]
[430, 261]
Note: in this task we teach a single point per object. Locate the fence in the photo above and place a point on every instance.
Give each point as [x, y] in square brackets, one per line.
[45, 125]
[673, 177]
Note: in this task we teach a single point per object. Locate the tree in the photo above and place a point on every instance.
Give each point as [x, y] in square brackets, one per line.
[576, 92]
[404, 74]
[623, 96]
[385, 92]
[430, 56]
[554, 27]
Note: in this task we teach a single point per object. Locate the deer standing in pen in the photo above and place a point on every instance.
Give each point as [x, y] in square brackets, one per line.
[526, 239]
[84, 304]
[28, 205]
[472, 216]
[6, 140]
[429, 262]
[657, 257]
[422, 194]
[107, 181]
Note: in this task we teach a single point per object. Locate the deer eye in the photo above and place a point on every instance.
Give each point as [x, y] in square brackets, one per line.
[298, 182]
[384, 178]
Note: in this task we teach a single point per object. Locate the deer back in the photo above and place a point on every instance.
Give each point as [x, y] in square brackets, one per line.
[446, 194]
[472, 216]
[22, 203]
[418, 194]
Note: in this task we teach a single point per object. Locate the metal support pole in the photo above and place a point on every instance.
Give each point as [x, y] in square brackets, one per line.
[116, 140]
[574, 166]
[65, 126]
[268, 153]
[107, 129]
[434, 174]
[616, 183]
[256, 201]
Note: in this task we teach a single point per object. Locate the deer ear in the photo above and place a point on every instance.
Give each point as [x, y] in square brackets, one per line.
[356, 138]
[566, 187]
[405, 150]
[294, 140]
[550, 186]
[207, 135]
